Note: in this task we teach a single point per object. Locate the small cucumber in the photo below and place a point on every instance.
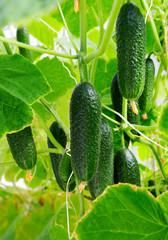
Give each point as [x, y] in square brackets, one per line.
[21, 143]
[65, 168]
[126, 167]
[61, 138]
[145, 100]
[130, 40]
[104, 174]
[22, 35]
[23, 148]
[85, 130]
[117, 100]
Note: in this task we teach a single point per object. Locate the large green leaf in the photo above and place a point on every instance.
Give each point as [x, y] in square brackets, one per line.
[16, 10]
[163, 121]
[163, 200]
[57, 75]
[21, 83]
[124, 212]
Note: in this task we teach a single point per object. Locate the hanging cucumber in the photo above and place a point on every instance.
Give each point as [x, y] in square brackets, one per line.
[126, 167]
[56, 159]
[145, 101]
[130, 39]
[65, 168]
[85, 130]
[22, 147]
[22, 35]
[21, 143]
[117, 100]
[104, 174]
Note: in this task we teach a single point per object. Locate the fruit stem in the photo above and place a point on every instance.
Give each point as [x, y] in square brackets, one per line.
[49, 150]
[95, 61]
[83, 42]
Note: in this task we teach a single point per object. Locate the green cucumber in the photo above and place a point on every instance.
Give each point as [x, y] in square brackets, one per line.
[130, 39]
[117, 100]
[56, 159]
[65, 168]
[104, 174]
[145, 101]
[126, 167]
[85, 130]
[21, 143]
[22, 147]
[22, 35]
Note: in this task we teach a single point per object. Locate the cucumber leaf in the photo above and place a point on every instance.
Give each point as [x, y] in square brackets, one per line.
[21, 84]
[124, 211]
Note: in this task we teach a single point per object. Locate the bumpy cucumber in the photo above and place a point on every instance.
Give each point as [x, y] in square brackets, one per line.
[22, 147]
[61, 138]
[130, 39]
[85, 130]
[104, 174]
[117, 103]
[126, 167]
[145, 101]
[22, 35]
[21, 143]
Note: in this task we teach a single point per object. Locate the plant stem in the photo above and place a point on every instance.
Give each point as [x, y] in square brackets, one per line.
[67, 29]
[6, 45]
[54, 114]
[106, 38]
[95, 61]
[83, 42]
[6, 164]
[155, 34]
[49, 150]
[124, 114]
[81, 199]
[112, 120]
[37, 49]
[156, 84]
[49, 134]
[141, 128]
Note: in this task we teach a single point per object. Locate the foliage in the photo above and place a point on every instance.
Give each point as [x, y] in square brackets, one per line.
[38, 93]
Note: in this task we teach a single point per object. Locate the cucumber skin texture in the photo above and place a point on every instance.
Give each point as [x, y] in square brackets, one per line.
[60, 137]
[145, 100]
[104, 175]
[23, 148]
[117, 100]
[21, 143]
[85, 130]
[126, 167]
[130, 39]
[22, 35]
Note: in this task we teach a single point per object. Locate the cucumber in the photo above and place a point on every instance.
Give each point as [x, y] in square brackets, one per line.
[145, 101]
[117, 100]
[104, 174]
[23, 148]
[126, 167]
[85, 130]
[22, 35]
[21, 143]
[65, 168]
[61, 138]
[130, 40]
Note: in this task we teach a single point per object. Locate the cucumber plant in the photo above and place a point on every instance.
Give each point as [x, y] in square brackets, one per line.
[71, 64]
